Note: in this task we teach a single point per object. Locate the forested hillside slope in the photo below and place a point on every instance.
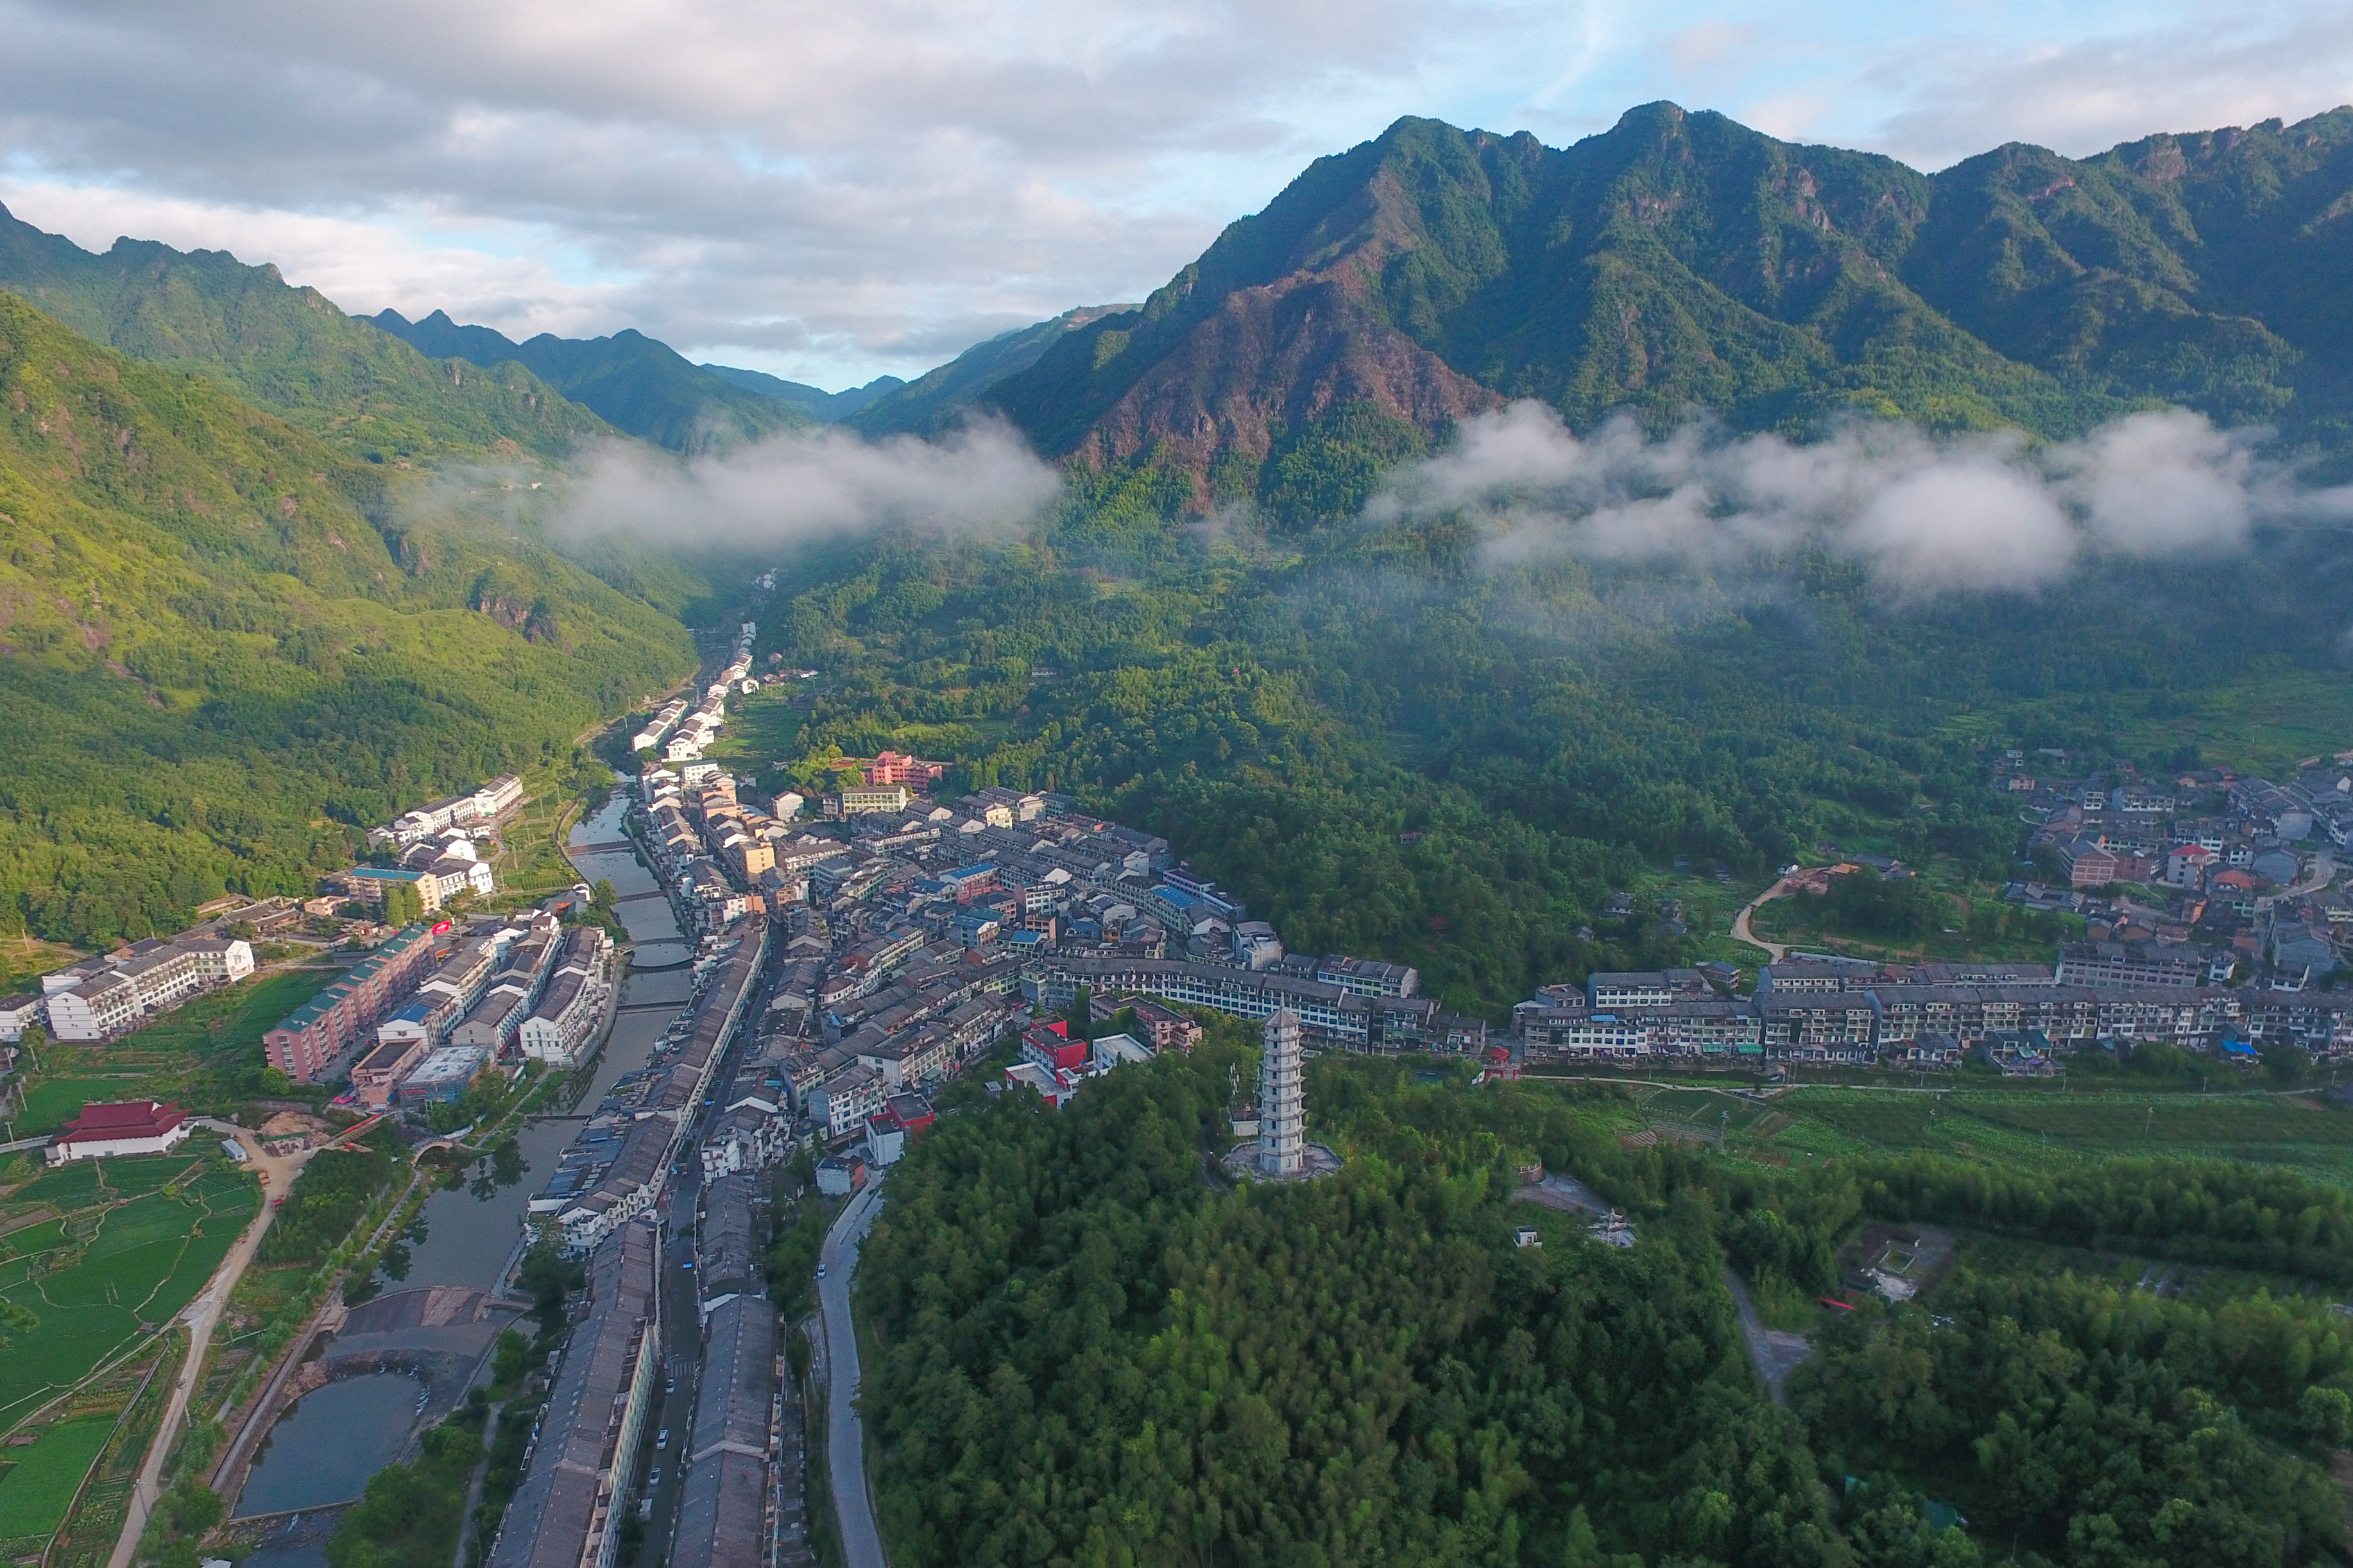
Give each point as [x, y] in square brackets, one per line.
[1682, 261]
[224, 646]
[289, 350]
[941, 398]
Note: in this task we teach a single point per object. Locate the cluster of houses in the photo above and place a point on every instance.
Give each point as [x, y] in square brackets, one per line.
[2016, 1017]
[439, 1003]
[437, 848]
[2236, 868]
[684, 729]
[722, 854]
[504, 993]
[913, 934]
[912, 940]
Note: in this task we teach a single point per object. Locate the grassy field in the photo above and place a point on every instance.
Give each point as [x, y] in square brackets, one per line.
[762, 730]
[40, 1486]
[52, 1102]
[228, 1020]
[124, 1245]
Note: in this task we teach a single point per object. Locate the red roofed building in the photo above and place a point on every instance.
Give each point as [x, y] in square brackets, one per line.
[126, 1127]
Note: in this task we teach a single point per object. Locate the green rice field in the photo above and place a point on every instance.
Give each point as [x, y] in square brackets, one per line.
[95, 1256]
[41, 1484]
[2039, 1124]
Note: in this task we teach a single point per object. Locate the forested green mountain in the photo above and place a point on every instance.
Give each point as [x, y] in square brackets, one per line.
[825, 407]
[1682, 261]
[224, 645]
[639, 385]
[289, 350]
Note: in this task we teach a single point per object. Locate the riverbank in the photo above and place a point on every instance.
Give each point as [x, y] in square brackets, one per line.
[471, 1234]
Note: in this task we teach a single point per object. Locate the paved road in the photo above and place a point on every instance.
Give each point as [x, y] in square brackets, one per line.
[1775, 952]
[1775, 1353]
[845, 1438]
[201, 1315]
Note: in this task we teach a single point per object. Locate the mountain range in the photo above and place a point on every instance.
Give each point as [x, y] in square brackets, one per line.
[1681, 261]
[286, 349]
[634, 383]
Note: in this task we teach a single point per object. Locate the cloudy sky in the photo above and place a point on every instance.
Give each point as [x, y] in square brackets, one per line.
[832, 192]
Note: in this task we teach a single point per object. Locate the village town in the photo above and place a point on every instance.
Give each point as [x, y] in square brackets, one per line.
[846, 953]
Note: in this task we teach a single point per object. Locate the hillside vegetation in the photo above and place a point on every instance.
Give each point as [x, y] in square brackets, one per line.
[1091, 1348]
[368, 396]
[226, 646]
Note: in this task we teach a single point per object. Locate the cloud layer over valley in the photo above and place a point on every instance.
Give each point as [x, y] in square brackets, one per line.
[1926, 513]
[803, 487]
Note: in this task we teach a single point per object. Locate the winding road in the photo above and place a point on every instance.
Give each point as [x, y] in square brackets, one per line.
[844, 1437]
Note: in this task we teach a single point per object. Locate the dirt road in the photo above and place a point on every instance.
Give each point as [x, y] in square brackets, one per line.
[201, 1316]
[1775, 952]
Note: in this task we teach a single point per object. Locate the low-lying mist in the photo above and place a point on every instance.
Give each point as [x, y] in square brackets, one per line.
[1927, 513]
[804, 486]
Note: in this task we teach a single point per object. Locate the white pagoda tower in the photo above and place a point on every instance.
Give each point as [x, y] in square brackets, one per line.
[1282, 1100]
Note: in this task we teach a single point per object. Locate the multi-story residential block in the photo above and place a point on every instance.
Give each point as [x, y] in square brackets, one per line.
[2116, 963]
[102, 997]
[310, 1039]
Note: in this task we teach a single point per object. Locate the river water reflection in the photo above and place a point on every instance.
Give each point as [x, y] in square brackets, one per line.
[336, 1438]
[468, 1236]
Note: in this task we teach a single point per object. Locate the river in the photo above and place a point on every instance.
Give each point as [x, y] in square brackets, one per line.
[324, 1449]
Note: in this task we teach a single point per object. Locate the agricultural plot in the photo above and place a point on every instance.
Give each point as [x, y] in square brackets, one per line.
[227, 1019]
[2174, 1124]
[130, 1243]
[40, 1485]
[1711, 1115]
[2040, 1125]
[764, 729]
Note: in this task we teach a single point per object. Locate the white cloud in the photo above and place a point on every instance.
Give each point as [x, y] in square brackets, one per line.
[2160, 483]
[2168, 68]
[1965, 512]
[798, 487]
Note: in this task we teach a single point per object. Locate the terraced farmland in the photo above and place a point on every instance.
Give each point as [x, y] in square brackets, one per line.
[102, 1253]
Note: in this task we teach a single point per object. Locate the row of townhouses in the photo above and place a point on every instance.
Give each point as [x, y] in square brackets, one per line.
[1860, 1013]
